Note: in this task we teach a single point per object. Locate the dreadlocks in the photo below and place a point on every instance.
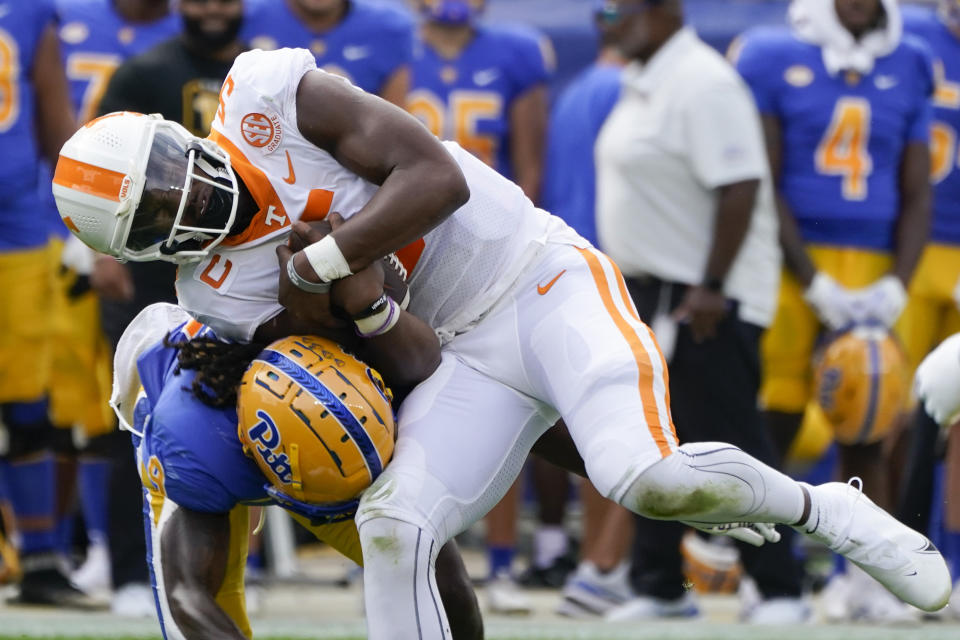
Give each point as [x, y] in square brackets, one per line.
[219, 365]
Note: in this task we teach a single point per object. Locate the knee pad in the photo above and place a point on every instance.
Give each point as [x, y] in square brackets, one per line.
[699, 480]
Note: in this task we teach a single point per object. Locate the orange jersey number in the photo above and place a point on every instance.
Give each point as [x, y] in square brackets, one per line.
[843, 150]
[9, 77]
[947, 93]
[225, 92]
[460, 121]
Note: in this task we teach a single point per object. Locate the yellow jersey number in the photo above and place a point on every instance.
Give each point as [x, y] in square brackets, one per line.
[459, 121]
[944, 154]
[843, 151]
[9, 81]
[95, 69]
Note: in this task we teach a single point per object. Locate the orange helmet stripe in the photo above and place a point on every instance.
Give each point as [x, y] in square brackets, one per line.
[89, 178]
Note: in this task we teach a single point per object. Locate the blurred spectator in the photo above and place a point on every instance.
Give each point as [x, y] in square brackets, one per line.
[367, 43]
[95, 37]
[846, 112]
[35, 120]
[600, 581]
[486, 87]
[185, 76]
[931, 313]
[685, 207]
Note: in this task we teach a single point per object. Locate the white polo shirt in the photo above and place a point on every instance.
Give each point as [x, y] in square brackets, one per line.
[686, 124]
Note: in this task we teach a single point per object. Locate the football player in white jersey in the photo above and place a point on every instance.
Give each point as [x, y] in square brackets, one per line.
[535, 323]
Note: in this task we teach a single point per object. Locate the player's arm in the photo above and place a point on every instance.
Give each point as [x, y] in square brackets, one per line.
[528, 127]
[794, 253]
[913, 224]
[396, 87]
[194, 548]
[55, 116]
[420, 183]
[403, 348]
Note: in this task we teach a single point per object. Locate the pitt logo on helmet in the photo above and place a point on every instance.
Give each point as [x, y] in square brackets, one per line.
[861, 384]
[318, 423]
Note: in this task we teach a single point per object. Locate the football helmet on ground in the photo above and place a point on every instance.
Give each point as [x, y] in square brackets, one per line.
[861, 384]
[138, 187]
[319, 424]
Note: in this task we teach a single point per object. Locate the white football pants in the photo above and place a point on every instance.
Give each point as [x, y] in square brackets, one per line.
[566, 341]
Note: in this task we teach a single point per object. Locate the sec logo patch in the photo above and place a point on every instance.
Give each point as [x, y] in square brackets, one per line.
[261, 131]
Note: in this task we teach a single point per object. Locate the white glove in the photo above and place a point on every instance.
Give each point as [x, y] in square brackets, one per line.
[755, 533]
[832, 302]
[77, 256]
[882, 302]
[937, 382]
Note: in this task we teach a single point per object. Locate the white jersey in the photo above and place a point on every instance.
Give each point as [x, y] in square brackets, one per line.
[457, 271]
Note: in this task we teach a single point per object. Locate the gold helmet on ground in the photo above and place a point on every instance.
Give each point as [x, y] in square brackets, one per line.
[319, 424]
[861, 384]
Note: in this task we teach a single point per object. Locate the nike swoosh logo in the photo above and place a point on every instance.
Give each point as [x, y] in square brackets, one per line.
[483, 78]
[542, 290]
[356, 52]
[885, 82]
[292, 178]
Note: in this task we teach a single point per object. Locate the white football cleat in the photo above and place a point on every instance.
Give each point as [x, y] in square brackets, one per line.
[590, 592]
[899, 558]
[505, 597]
[650, 608]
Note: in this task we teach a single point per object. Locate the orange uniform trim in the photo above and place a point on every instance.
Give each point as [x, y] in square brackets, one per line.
[88, 178]
[266, 221]
[410, 255]
[318, 205]
[192, 328]
[644, 364]
[628, 303]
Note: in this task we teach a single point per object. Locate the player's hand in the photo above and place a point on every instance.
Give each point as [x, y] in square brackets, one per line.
[880, 303]
[355, 293]
[755, 533]
[312, 308]
[937, 382]
[703, 310]
[833, 304]
[112, 280]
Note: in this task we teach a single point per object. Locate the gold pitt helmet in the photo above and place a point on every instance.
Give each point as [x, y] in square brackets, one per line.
[861, 384]
[319, 424]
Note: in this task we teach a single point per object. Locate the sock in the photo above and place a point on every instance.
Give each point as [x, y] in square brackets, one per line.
[32, 493]
[393, 552]
[64, 533]
[93, 475]
[549, 543]
[714, 482]
[501, 559]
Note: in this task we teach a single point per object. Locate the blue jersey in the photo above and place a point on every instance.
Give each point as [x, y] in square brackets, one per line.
[95, 40]
[367, 47]
[22, 25]
[468, 99]
[945, 134]
[569, 188]
[192, 447]
[843, 136]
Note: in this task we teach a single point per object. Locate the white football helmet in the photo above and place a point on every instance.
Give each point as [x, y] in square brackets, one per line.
[138, 187]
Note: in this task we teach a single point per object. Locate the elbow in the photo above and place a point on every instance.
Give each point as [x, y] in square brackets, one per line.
[457, 188]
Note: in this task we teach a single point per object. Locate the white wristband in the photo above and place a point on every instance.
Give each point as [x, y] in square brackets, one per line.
[327, 260]
[381, 322]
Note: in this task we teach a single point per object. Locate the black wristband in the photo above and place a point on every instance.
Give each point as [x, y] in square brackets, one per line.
[713, 284]
[375, 307]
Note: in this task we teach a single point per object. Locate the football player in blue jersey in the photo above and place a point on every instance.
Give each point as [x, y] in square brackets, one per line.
[203, 459]
[931, 313]
[846, 112]
[569, 191]
[369, 44]
[35, 120]
[96, 36]
[485, 87]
